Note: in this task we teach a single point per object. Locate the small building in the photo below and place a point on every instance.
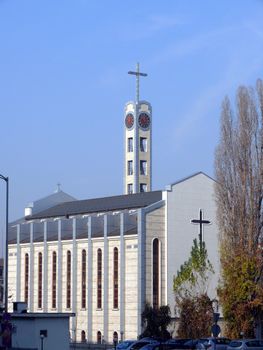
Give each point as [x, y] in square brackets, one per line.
[31, 330]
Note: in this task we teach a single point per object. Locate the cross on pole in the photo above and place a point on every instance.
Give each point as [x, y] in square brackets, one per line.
[138, 74]
[201, 222]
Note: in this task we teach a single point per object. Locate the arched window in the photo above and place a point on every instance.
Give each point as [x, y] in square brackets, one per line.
[54, 280]
[99, 338]
[26, 276]
[115, 278]
[40, 274]
[155, 273]
[68, 286]
[83, 279]
[99, 279]
[115, 337]
[83, 337]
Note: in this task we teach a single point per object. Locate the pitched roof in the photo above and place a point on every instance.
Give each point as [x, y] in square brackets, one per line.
[130, 201]
[190, 176]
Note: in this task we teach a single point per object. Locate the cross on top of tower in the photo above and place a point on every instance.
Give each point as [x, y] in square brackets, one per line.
[137, 74]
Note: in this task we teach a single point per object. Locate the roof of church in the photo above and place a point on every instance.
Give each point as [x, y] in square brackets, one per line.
[128, 201]
[190, 176]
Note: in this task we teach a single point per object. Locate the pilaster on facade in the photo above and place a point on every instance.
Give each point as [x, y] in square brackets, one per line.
[90, 290]
[74, 276]
[18, 263]
[105, 278]
[59, 289]
[122, 278]
[141, 267]
[31, 264]
[45, 274]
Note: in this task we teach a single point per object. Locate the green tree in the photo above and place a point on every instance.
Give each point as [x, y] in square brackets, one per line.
[156, 321]
[193, 305]
[239, 194]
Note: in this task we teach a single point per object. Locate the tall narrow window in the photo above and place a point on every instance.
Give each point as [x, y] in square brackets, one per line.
[143, 167]
[54, 280]
[99, 338]
[83, 337]
[26, 276]
[68, 286]
[99, 279]
[115, 278]
[130, 188]
[143, 188]
[130, 167]
[130, 144]
[83, 279]
[40, 266]
[143, 144]
[115, 337]
[155, 272]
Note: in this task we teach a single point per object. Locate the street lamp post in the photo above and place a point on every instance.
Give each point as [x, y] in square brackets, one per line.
[6, 243]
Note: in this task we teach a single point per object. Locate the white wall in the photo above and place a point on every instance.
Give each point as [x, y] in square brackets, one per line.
[184, 202]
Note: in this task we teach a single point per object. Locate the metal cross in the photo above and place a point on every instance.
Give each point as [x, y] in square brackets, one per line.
[201, 222]
[138, 74]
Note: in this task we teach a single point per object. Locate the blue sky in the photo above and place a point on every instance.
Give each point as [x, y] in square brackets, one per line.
[64, 83]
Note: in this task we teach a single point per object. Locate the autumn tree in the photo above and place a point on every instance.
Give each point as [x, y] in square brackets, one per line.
[239, 191]
[193, 306]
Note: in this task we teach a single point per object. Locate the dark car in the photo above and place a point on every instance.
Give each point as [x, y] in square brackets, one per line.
[180, 343]
[213, 343]
[245, 344]
[125, 344]
[140, 343]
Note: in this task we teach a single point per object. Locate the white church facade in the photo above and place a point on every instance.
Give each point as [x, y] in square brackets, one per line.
[104, 258]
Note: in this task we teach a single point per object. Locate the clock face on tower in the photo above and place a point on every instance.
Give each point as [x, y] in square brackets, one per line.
[129, 120]
[144, 121]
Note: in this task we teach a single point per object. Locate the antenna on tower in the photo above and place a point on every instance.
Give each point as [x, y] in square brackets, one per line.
[138, 74]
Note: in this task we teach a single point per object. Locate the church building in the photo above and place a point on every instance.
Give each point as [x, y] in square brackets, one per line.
[104, 258]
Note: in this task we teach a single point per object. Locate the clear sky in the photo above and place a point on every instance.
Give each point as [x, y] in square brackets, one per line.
[64, 83]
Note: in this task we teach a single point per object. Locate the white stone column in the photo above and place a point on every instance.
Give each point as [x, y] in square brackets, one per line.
[122, 277]
[105, 281]
[31, 284]
[45, 274]
[90, 290]
[18, 263]
[59, 280]
[74, 277]
[141, 267]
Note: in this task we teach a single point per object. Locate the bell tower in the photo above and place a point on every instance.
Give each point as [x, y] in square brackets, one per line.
[137, 142]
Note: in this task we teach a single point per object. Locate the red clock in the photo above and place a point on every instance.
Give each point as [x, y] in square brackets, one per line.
[129, 120]
[144, 120]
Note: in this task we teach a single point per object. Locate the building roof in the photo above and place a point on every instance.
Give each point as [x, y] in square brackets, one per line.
[49, 201]
[190, 176]
[96, 205]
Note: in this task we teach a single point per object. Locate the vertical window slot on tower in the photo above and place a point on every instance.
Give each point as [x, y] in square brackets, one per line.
[143, 144]
[130, 144]
[130, 167]
[143, 167]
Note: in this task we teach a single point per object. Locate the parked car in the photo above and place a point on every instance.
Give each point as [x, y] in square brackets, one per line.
[142, 342]
[153, 346]
[125, 345]
[213, 343]
[180, 343]
[245, 344]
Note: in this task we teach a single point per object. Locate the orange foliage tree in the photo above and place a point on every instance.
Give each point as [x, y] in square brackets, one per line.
[239, 194]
